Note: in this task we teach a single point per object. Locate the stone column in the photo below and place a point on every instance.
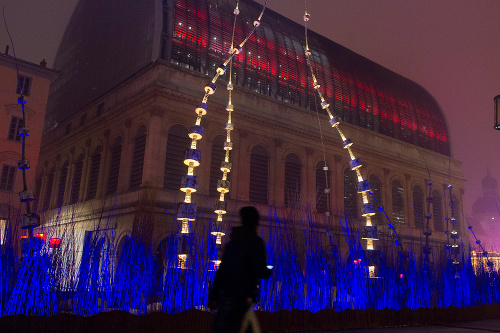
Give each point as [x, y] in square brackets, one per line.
[205, 147]
[387, 194]
[240, 178]
[69, 177]
[126, 157]
[277, 175]
[309, 180]
[338, 184]
[154, 154]
[408, 196]
[87, 161]
[104, 167]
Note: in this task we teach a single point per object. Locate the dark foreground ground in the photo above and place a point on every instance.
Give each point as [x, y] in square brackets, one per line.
[485, 318]
[490, 325]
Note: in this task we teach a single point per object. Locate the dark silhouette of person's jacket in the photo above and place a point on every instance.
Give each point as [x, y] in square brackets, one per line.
[242, 267]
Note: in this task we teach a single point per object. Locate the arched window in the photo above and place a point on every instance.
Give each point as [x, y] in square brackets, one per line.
[114, 166]
[95, 166]
[138, 158]
[350, 194]
[398, 207]
[293, 178]
[323, 181]
[62, 184]
[259, 175]
[77, 180]
[178, 142]
[418, 207]
[455, 210]
[376, 188]
[47, 199]
[437, 210]
[218, 154]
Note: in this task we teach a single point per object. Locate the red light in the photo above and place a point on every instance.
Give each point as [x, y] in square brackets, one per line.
[42, 236]
[23, 237]
[400, 276]
[54, 243]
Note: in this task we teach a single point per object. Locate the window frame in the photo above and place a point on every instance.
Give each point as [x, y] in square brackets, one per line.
[115, 155]
[138, 156]
[14, 136]
[418, 207]
[401, 192]
[10, 176]
[21, 85]
[293, 181]
[257, 158]
[178, 142]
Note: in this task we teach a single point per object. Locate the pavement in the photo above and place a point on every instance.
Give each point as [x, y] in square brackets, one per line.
[490, 325]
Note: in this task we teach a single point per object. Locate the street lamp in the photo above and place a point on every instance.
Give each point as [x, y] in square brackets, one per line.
[497, 110]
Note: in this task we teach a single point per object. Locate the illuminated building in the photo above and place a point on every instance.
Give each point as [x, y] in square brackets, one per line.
[118, 122]
[34, 81]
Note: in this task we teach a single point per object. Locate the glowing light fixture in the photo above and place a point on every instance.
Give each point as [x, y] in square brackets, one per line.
[182, 261]
[371, 271]
[42, 236]
[3, 226]
[54, 243]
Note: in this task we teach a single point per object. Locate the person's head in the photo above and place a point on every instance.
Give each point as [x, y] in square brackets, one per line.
[249, 217]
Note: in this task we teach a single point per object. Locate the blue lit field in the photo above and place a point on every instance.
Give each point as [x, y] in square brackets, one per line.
[90, 273]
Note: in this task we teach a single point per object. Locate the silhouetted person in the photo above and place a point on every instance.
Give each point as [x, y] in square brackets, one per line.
[237, 280]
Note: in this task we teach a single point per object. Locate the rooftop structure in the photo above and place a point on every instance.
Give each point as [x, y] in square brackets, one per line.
[98, 51]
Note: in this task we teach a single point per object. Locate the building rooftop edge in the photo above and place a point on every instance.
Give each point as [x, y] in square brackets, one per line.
[45, 72]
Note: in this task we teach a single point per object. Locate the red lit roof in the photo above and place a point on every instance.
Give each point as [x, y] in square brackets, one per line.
[273, 63]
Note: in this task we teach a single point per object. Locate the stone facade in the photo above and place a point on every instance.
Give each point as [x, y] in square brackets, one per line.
[163, 95]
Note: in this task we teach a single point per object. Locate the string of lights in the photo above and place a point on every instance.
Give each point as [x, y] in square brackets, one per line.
[187, 210]
[327, 189]
[454, 248]
[224, 184]
[370, 233]
[484, 252]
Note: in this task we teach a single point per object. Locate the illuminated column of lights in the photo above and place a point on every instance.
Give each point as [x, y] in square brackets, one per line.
[223, 184]
[29, 220]
[186, 212]
[454, 247]
[370, 233]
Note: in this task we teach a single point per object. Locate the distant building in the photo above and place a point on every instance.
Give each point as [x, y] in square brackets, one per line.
[34, 82]
[485, 218]
[133, 72]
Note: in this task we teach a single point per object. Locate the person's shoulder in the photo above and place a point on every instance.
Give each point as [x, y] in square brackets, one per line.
[256, 239]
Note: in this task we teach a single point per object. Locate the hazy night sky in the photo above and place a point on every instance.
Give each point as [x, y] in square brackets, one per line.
[450, 47]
